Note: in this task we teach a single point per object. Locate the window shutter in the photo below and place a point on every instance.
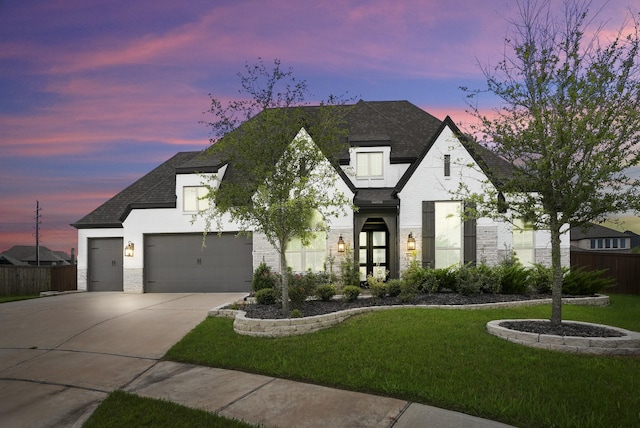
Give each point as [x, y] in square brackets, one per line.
[469, 244]
[428, 234]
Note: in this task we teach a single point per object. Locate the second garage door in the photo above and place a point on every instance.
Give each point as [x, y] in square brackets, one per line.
[179, 264]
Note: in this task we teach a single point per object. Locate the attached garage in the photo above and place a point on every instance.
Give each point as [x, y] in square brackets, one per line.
[105, 264]
[178, 263]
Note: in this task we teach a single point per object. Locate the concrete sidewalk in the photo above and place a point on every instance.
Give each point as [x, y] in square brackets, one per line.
[272, 402]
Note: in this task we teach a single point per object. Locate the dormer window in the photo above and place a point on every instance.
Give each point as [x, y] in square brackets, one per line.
[369, 165]
[195, 198]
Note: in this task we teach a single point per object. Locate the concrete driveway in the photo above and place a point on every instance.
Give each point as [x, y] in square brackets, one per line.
[60, 356]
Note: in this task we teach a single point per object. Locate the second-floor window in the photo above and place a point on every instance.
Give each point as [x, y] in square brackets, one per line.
[369, 164]
[447, 165]
[194, 198]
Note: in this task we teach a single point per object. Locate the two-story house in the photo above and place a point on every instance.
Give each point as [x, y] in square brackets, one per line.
[402, 171]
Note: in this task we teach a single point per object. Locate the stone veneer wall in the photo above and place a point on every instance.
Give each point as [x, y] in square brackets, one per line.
[82, 279]
[487, 245]
[133, 280]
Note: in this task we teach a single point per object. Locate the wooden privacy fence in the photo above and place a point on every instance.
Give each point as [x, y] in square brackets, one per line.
[29, 280]
[623, 267]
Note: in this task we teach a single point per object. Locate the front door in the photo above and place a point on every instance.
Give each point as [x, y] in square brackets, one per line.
[374, 250]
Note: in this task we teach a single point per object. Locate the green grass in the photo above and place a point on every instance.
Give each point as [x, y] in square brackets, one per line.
[122, 409]
[447, 359]
[5, 299]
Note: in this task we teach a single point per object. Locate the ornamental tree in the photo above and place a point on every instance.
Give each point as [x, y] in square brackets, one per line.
[569, 119]
[280, 154]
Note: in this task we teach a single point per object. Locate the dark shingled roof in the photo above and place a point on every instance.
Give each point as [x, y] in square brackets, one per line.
[407, 129]
[156, 189]
[590, 231]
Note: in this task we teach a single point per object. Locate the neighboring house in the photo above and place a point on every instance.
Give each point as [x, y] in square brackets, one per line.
[401, 171]
[594, 237]
[26, 255]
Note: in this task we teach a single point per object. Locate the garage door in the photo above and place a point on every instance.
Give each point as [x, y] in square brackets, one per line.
[105, 264]
[179, 263]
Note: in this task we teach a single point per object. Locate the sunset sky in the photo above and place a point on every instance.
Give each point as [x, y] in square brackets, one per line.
[96, 93]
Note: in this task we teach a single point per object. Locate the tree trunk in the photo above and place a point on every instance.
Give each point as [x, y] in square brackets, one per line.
[556, 264]
[285, 282]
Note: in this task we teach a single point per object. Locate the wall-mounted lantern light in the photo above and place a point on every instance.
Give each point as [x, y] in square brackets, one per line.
[341, 245]
[128, 250]
[411, 242]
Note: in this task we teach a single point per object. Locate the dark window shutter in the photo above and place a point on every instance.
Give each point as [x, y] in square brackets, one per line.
[469, 243]
[428, 234]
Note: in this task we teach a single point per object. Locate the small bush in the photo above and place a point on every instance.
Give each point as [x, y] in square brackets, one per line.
[266, 296]
[446, 278]
[514, 276]
[350, 293]
[579, 282]
[295, 314]
[326, 292]
[430, 282]
[541, 278]
[408, 291]
[301, 286]
[414, 275]
[263, 278]
[394, 287]
[489, 278]
[349, 271]
[467, 282]
[377, 286]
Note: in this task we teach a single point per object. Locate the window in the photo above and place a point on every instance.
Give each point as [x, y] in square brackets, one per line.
[623, 242]
[447, 165]
[523, 242]
[311, 257]
[194, 198]
[369, 164]
[448, 238]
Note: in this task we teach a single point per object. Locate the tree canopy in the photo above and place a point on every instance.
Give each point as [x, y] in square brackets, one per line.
[569, 119]
[279, 154]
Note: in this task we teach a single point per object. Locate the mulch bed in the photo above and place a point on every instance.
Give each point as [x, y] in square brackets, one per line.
[316, 307]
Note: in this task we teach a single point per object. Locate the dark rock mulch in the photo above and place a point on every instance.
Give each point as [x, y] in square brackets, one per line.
[315, 307]
[564, 329]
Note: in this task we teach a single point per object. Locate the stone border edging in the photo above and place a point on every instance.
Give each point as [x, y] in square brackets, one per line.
[629, 344]
[297, 326]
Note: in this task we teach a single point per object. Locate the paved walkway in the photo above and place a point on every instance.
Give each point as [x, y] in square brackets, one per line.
[61, 356]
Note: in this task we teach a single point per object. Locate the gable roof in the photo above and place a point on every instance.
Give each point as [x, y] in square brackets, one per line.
[407, 129]
[156, 189]
[27, 253]
[591, 231]
[494, 167]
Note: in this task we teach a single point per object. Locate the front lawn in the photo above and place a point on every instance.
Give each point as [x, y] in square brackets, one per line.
[122, 409]
[445, 358]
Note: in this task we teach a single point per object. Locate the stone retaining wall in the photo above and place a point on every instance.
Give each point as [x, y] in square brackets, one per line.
[628, 344]
[297, 326]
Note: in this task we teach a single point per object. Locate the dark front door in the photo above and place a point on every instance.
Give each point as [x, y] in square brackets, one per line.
[374, 249]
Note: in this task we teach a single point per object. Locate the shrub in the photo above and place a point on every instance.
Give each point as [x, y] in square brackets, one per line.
[489, 278]
[295, 314]
[377, 286]
[266, 296]
[408, 291]
[579, 282]
[326, 292]
[467, 282]
[349, 271]
[414, 274]
[394, 287]
[263, 278]
[430, 281]
[446, 278]
[350, 293]
[541, 278]
[514, 276]
[301, 286]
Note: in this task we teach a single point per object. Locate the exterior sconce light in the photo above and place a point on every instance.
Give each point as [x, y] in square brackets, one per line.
[128, 250]
[341, 245]
[411, 242]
